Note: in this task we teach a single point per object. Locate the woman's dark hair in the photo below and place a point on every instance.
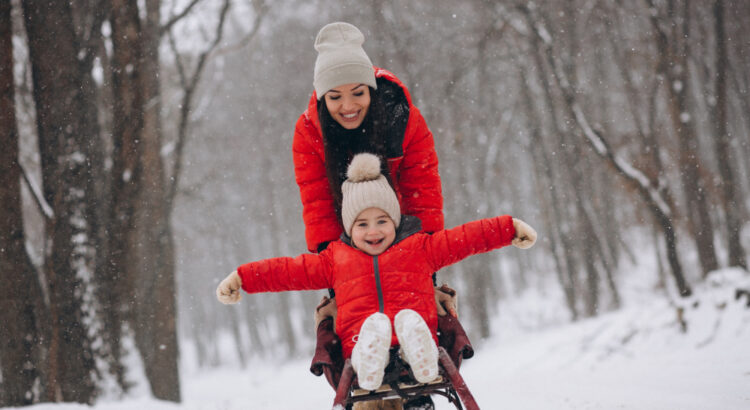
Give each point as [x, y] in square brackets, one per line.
[341, 144]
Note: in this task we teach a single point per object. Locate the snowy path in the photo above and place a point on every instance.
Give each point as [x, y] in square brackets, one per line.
[578, 366]
[635, 358]
[542, 374]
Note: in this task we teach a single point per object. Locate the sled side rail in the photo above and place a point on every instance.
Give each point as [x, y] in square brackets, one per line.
[450, 385]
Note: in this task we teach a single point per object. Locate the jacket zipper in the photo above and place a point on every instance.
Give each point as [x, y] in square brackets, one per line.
[377, 284]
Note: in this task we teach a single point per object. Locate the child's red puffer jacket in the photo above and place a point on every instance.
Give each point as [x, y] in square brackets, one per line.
[399, 278]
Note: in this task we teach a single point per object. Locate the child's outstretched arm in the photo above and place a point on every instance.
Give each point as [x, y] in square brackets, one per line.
[452, 245]
[305, 272]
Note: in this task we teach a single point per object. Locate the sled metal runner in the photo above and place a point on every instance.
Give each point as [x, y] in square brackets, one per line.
[398, 382]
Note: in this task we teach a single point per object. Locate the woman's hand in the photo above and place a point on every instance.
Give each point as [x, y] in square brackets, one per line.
[228, 291]
[525, 235]
[325, 309]
[446, 301]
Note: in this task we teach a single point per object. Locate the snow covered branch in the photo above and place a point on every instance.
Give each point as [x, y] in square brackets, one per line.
[36, 193]
[651, 192]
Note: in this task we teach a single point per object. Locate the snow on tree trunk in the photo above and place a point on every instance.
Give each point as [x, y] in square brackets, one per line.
[64, 149]
[21, 300]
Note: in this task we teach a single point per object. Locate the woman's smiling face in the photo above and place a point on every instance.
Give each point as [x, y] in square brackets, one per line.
[373, 231]
[348, 104]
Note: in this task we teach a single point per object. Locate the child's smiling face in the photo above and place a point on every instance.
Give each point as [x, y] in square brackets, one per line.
[373, 231]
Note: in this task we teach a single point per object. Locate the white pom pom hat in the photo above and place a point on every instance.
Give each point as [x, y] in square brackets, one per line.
[341, 58]
[364, 188]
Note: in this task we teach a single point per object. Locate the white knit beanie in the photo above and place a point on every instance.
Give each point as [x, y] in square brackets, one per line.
[341, 58]
[364, 188]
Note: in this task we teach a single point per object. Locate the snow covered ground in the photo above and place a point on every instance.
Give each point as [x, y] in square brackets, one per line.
[634, 358]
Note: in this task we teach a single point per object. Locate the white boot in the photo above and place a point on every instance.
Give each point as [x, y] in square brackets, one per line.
[417, 346]
[370, 354]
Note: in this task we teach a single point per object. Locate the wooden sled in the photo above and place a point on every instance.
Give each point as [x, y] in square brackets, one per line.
[454, 346]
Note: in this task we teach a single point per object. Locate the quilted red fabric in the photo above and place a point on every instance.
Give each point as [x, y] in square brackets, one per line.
[415, 174]
[400, 277]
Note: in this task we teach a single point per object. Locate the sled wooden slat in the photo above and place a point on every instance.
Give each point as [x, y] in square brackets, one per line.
[403, 386]
[449, 384]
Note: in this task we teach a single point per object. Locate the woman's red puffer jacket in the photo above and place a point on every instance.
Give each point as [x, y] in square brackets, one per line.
[415, 173]
[399, 278]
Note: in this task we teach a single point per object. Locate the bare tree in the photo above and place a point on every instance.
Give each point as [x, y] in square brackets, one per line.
[156, 309]
[563, 221]
[723, 142]
[63, 135]
[650, 193]
[189, 83]
[21, 299]
[551, 211]
[127, 99]
[672, 34]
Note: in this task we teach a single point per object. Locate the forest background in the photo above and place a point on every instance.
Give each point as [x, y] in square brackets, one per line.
[148, 153]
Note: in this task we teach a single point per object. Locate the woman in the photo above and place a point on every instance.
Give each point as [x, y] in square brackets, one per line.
[356, 108]
[359, 108]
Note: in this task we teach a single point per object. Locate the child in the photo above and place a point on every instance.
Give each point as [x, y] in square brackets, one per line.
[381, 270]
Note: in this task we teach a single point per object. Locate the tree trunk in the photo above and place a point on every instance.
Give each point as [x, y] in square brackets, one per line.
[283, 299]
[563, 258]
[673, 50]
[254, 321]
[88, 16]
[68, 185]
[21, 296]
[127, 122]
[723, 142]
[480, 292]
[156, 306]
[587, 238]
[564, 219]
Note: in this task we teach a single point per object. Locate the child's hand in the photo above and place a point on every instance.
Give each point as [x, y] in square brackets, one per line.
[228, 291]
[525, 235]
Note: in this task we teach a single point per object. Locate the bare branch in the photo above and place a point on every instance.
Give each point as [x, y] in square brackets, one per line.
[189, 86]
[261, 10]
[168, 25]
[592, 136]
[178, 60]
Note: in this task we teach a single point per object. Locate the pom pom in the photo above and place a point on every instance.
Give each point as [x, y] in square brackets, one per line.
[364, 167]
